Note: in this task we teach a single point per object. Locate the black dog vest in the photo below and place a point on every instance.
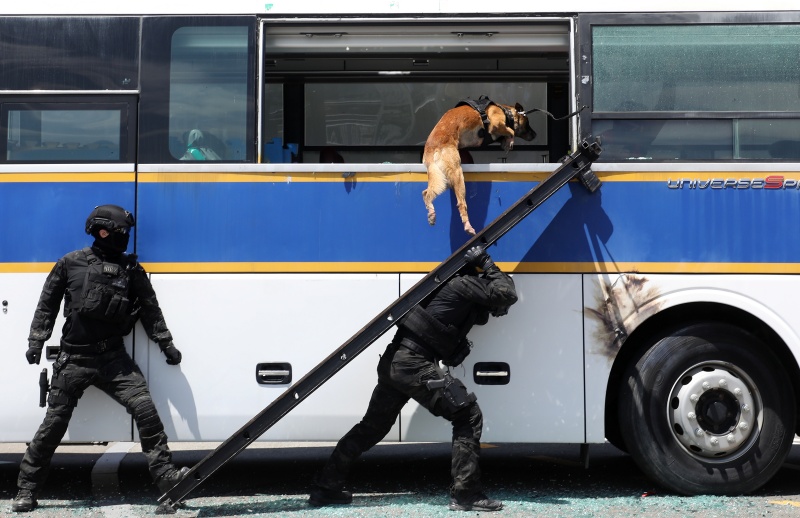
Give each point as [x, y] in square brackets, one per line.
[480, 106]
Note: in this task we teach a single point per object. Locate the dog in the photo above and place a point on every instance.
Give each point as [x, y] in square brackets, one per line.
[469, 124]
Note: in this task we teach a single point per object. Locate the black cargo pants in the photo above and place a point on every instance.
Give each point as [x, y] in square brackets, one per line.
[402, 374]
[116, 374]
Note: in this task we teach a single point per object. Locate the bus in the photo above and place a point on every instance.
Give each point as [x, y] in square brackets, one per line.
[655, 314]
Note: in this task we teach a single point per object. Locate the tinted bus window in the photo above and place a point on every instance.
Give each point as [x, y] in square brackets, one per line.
[696, 91]
[696, 68]
[198, 89]
[208, 92]
[67, 131]
[68, 53]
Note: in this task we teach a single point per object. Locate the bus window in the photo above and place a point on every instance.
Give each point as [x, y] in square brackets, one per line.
[636, 139]
[69, 53]
[372, 93]
[198, 90]
[732, 89]
[66, 132]
[208, 90]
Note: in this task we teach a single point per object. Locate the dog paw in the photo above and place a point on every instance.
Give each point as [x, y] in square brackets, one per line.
[468, 229]
[431, 219]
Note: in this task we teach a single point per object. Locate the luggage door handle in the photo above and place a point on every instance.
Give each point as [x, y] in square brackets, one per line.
[491, 373]
[274, 373]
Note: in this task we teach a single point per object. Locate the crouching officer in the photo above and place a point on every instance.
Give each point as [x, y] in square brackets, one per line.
[434, 331]
[104, 291]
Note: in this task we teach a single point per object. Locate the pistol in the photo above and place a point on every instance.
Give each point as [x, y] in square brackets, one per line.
[435, 384]
[44, 388]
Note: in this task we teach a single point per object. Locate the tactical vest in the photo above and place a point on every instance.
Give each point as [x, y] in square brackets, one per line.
[105, 293]
[447, 343]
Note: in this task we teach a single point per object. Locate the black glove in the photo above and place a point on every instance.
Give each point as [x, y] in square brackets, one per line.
[477, 256]
[171, 352]
[33, 354]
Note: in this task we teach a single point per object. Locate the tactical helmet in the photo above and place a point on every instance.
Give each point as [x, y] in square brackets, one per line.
[109, 217]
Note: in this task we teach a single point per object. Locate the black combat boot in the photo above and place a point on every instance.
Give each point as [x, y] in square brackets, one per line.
[473, 501]
[24, 501]
[320, 497]
[168, 480]
[328, 483]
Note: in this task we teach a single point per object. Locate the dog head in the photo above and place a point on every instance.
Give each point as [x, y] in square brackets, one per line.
[522, 128]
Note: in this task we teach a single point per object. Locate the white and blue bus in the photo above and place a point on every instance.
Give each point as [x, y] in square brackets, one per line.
[657, 314]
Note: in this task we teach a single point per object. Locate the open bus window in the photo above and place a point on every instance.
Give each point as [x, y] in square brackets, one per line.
[374, 92]
[65, 133]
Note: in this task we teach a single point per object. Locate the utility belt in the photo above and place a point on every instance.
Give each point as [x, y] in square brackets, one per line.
[109, 344]
[419, 349]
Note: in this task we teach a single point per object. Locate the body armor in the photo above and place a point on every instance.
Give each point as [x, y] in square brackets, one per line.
[105, 292]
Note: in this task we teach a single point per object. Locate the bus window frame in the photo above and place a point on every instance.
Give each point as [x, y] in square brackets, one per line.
[128, 121]
[154, 104]
[585, 75]
[558, 134]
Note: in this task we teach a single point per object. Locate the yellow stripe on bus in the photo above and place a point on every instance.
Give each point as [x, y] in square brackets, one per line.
[67, 177]
[425, 267]
[374, 176]
[310, 176]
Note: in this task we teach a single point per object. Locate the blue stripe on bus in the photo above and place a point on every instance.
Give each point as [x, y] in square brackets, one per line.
[42, 221]
[386, 222]
[326, 222]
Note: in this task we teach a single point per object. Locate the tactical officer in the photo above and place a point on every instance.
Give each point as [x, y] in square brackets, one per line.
[436, 330]
[104, 291]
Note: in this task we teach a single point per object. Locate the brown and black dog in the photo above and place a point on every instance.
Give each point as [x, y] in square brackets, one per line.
[462, 127]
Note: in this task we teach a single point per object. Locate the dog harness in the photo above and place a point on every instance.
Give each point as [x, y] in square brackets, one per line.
[480, 106]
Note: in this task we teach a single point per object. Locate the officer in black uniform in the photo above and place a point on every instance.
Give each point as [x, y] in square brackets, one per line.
[434, 331]
[104, 291]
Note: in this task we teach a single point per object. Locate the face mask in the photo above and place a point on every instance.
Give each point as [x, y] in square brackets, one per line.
[115, 243]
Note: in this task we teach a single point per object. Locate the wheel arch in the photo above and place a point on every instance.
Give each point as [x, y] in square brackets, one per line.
[671, 319]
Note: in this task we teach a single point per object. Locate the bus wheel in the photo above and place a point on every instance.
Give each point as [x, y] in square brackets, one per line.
[708, 410]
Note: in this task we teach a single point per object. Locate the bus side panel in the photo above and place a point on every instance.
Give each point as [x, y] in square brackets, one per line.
[227, 324]
[40, 221]
[97, 417]
[541, 342]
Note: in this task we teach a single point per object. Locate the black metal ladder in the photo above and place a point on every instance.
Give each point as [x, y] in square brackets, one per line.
[576, 164]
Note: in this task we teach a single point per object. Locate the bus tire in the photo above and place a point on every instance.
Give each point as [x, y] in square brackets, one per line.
[708, 410]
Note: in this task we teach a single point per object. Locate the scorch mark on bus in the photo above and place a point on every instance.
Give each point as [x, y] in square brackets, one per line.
[615, 304]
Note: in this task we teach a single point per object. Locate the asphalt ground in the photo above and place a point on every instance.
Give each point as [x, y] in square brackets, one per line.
[408, 480]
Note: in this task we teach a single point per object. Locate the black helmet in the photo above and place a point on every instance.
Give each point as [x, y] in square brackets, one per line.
[109, 217]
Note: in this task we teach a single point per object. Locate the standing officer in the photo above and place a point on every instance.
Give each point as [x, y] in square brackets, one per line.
[434, 331]
[105, 291]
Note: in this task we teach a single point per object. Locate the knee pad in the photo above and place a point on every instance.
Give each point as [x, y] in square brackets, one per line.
[468, 422]
[146, 417]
